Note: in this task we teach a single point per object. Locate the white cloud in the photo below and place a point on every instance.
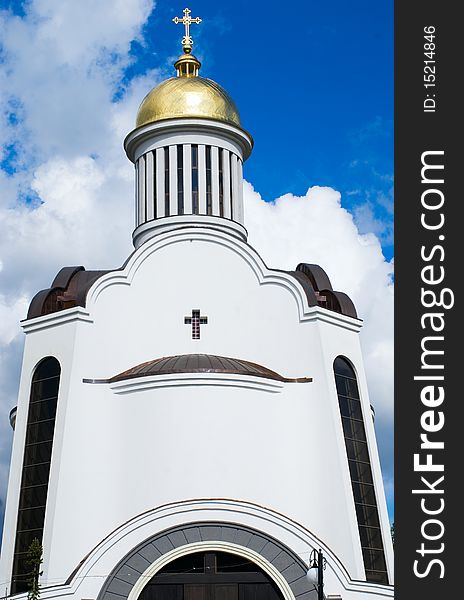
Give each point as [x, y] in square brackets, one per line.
[59, 73]
[315, 228]
[59, 70]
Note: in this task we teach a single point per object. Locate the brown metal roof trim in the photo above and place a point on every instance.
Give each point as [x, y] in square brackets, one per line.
[70, 287]
[322, 288]
[199, 363]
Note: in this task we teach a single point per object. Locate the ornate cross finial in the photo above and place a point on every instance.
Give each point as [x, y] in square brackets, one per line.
[187, 20]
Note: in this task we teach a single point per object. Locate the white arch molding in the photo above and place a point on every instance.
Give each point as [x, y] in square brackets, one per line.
[212, 546]
[112, 554]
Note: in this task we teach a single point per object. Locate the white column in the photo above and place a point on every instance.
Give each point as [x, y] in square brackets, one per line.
[240, 217]
[173, 181]
[234, 178]
[137, 194]
[215, 180]
[202, 179]
[160, 182]
[142, 189]
[187, 179]
[226, 183]
[150, 195]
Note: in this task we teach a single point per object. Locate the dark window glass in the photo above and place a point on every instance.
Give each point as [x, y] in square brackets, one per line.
[210, 576]
[190, 563]
[231, 563]
[33, 496]
[363, 493]
[375, 559]
[352, 388]
[371, 537]
[349, 407]
[360, 471]
[42, 411]
[340, 381]
[43, 389]
[367, 514]
[26, 536]
[40, 431]
[221, 182]
[21, 572]
[49, 367]
[356, 450]
[35, 474]
[166, 182]
[38, 453]
[376, 576]
[195, 179]
[343, 368]
[353, 429]
[31, 518]
[180, 180]
[209, 198]
[36, 466]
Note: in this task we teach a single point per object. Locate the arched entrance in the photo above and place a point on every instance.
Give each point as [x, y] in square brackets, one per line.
[211, 575]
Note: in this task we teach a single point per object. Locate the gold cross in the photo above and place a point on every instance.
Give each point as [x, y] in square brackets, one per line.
[187, 20]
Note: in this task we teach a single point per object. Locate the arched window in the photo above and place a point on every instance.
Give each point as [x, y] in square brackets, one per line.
[360, 470]
[36, 466]
[211, 576]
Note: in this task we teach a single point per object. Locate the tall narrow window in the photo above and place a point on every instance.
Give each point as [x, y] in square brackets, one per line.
[360, 471]
[209, 198]
[221, 182]
[36, 466]
[195, 179]
[180, 179]
[166, 182]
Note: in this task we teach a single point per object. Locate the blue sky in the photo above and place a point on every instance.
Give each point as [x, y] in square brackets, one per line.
[314, 85]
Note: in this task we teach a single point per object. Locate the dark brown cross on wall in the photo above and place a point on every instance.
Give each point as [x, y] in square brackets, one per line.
[196, 320]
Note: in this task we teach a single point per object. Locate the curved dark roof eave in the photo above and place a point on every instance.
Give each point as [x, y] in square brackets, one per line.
[198, 363]
[71, 285]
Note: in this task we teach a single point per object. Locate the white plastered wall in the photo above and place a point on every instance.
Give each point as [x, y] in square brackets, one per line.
[117, 454]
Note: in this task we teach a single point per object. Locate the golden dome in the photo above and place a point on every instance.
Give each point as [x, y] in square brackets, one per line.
[187, 95]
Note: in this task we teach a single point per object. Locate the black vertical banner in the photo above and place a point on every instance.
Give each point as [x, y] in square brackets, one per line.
[429, 438]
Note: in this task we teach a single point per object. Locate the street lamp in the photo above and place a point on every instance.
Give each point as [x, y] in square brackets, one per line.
[315, 574]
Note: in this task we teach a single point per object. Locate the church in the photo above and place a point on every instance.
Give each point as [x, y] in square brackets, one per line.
[194, 425]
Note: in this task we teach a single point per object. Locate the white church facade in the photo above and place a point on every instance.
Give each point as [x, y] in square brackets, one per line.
[193, 425]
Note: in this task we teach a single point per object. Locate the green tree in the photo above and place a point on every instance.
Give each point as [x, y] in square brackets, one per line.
[34, 559]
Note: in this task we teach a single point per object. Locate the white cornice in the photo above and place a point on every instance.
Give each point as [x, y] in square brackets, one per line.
[139, 384]
[155, 227]
[187, 125]
[69, 315]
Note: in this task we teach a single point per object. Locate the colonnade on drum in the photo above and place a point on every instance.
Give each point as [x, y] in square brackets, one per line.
[188, 179]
